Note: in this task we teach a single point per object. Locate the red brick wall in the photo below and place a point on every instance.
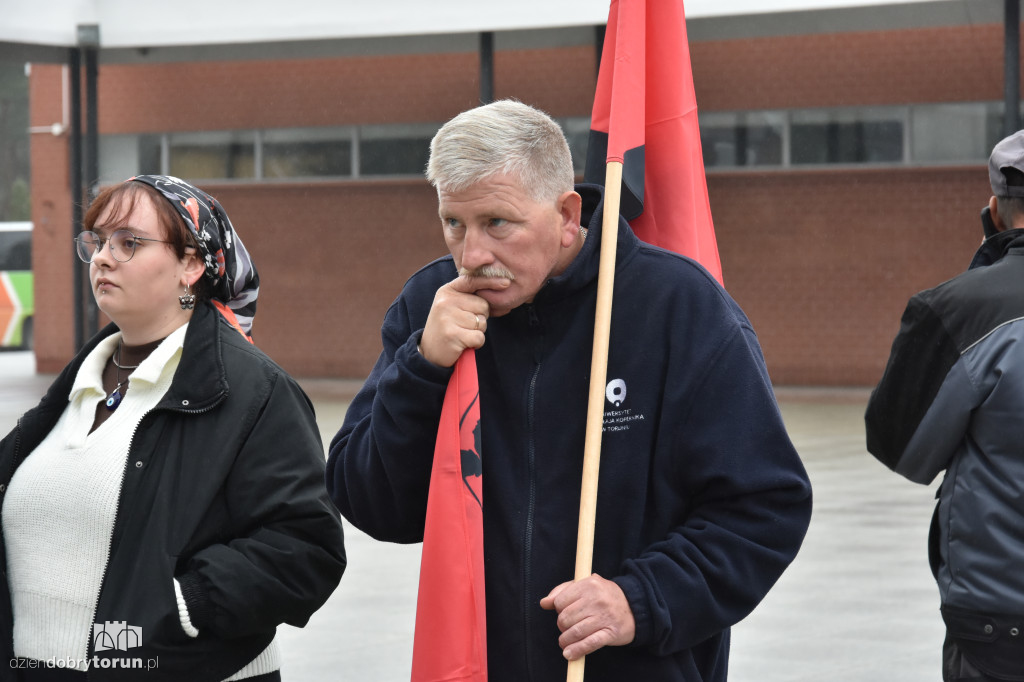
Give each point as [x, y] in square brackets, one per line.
[287, 93]
[843, 69]
[822, 261]
[331, 258]
[324, 92]
[559, 81]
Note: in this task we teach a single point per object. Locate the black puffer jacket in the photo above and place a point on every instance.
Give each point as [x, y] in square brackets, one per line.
[223, 489]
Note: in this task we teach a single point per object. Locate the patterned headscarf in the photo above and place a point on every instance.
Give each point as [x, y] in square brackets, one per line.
[229, 268]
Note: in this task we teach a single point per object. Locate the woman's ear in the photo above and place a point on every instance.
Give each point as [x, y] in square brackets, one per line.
[194, 267]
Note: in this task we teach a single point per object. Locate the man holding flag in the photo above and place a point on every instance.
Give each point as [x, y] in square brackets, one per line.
[703, 501]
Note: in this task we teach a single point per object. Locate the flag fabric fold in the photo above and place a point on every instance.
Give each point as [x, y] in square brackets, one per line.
[645, 116]
[450, 643]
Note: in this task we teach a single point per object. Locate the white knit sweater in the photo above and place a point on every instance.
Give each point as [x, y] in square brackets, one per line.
[58, 515]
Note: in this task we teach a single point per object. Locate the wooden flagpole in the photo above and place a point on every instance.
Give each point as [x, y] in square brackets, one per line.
[598, 375]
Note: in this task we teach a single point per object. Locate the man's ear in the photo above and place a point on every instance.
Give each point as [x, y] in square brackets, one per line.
[570, 209]
[997, 219]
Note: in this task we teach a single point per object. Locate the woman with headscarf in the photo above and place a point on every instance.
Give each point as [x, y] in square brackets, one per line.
[163, 507]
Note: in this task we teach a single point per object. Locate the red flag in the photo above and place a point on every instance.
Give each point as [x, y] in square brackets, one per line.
[645, 115]
[450, 644]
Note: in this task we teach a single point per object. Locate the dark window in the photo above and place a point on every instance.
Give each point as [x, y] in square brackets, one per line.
[212, 155]
[16, 250]
[15, 197]
[149, 155]
[396, 149]
[307, 159]
[577, 134]
[394, 156]
[868, 140]
[742, 139]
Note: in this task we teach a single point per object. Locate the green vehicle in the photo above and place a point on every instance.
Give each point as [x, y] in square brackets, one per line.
[17, 305]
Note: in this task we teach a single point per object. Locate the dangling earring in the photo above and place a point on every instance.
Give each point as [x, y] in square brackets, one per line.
[188, 301]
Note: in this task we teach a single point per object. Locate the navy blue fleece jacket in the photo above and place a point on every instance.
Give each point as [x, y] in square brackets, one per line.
[702, 499]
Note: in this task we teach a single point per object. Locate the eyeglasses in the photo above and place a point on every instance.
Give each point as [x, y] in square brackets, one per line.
[122, 245]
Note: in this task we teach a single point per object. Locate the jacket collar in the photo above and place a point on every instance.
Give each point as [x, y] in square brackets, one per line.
[201, 379]
[998, 245]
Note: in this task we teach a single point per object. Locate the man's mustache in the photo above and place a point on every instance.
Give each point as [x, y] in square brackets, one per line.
[488, 271]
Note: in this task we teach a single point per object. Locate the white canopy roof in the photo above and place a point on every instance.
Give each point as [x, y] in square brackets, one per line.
[125, 23]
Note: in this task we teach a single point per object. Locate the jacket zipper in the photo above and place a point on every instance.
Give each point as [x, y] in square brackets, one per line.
[16, 458]
[528, 603]
[90, 646]
[3, 491]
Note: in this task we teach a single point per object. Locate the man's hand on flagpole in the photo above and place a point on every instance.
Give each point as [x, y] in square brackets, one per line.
[592, 613]
[457, 319]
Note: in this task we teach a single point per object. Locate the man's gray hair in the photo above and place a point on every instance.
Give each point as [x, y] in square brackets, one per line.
[504, 137]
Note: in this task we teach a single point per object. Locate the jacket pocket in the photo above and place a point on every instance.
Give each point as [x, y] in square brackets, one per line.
[994, 643]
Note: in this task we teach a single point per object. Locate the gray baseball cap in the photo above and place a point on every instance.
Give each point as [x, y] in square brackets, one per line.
[1008, 153]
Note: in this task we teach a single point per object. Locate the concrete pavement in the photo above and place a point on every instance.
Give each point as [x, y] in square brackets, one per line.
[858, 604]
